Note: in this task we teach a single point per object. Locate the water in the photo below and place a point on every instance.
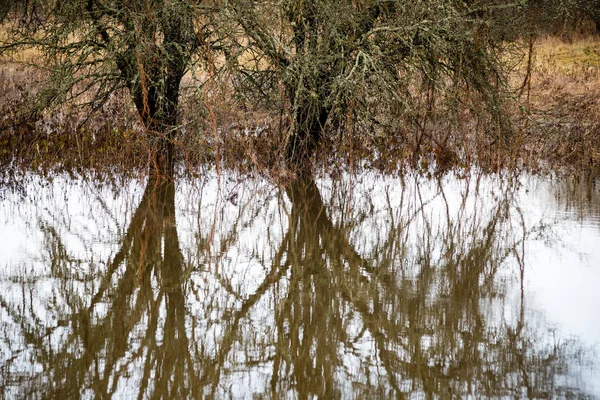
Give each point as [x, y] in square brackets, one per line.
[363, 286]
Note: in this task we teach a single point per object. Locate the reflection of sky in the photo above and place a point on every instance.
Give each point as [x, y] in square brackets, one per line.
[563, 274]
[562, 261]
[563, 265]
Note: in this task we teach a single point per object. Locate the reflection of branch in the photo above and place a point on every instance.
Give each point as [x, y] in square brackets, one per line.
[137, 221]
[277, 270]
[106, 341]
[31, 337]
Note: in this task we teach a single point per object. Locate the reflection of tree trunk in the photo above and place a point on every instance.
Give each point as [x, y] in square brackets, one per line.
[311, 308]
[170, 355]
[325, 275]
[147, 295]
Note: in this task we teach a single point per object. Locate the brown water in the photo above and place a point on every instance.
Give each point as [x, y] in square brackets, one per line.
[365, 286]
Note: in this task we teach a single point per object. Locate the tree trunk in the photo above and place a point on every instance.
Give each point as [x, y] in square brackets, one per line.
[306, 135]
[158, 111]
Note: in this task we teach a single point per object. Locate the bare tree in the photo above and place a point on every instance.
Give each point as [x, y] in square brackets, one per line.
[92, 48]
[335, 57]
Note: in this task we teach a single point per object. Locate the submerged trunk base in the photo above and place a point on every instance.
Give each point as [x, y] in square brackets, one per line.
[305, 138]
[163, 162]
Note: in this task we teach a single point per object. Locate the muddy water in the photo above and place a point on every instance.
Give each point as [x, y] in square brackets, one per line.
[365, 286]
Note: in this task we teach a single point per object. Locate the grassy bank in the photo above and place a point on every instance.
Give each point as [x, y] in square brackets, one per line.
[564, 103]
[555, 121]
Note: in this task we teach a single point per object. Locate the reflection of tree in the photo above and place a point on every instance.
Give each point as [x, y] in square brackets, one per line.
[430, 333]
[578, 194]
[136, 316]
[411, 312]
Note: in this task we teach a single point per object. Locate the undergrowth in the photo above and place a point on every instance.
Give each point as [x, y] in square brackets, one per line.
[554, 118]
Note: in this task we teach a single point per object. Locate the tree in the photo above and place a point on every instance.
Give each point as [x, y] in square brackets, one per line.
[322, 60]
[92, 48]
[333, 57]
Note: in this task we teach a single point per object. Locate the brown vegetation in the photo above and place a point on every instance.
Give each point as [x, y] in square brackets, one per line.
[560, 127]
[564, 128]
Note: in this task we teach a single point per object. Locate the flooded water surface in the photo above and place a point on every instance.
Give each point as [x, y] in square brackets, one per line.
[363, 286]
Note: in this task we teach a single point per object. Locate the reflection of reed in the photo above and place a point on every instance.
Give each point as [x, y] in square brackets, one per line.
[579, 194]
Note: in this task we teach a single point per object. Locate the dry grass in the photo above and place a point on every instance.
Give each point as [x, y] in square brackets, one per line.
[28, 55]
[583, 52]
[63, 138]
[564, 101]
